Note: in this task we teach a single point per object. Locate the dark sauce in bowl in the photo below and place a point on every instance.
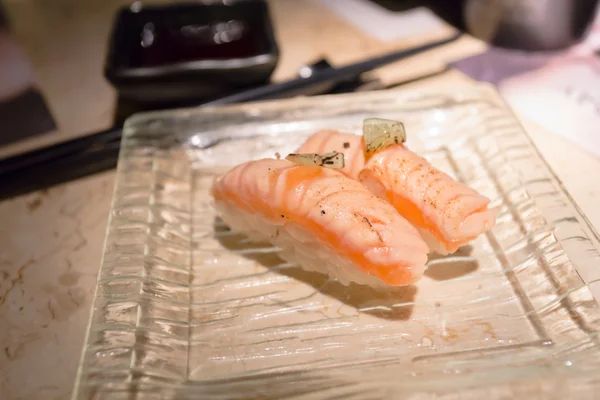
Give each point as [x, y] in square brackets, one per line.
[176, 41]
[152, 37]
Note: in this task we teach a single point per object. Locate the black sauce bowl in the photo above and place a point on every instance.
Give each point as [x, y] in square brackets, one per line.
[190, 51]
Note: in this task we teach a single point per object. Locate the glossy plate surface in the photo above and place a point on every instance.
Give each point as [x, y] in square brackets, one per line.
[184, 309]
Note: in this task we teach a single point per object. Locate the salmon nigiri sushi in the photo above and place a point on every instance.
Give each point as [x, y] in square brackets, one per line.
[351, 146]
[447, 213]
[322, 221]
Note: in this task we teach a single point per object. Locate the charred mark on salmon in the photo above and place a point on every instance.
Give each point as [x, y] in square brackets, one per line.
[368, 222]
[365, 219]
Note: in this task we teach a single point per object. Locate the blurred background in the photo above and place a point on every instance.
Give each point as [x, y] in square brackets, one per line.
[68, 67]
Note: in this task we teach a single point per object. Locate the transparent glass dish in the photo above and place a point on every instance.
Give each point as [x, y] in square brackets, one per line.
[186, 310]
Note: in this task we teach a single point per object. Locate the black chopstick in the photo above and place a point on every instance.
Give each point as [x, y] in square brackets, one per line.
[59, 151]
[84, 155]
[275, 90]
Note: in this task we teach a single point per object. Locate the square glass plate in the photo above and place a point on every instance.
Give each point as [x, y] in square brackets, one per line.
[184, 309]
